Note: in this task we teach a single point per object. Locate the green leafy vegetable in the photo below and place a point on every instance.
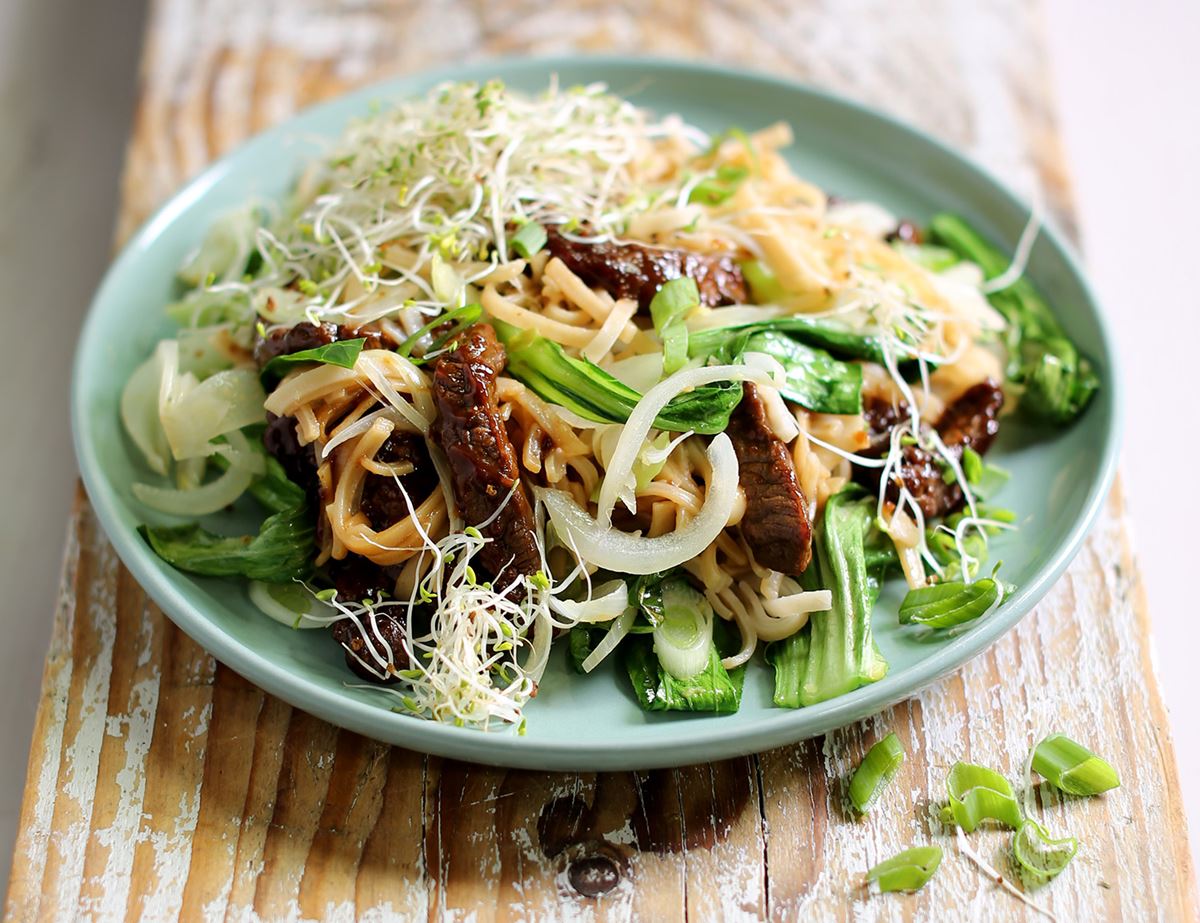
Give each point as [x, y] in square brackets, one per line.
[842, 654]
[1072, 767]
[646, 595]
[945, 605]
[814, 378]
[459, 319]
[978, 794]
[789, 657]
[881, 763]
[581, 641]
[342, 353]
[713, 190]
[836, 338]
[907, 871]
[529, 239]
[282, 551]
[1038, 857]
[1058, 381]
[586, 389]
[714, 689]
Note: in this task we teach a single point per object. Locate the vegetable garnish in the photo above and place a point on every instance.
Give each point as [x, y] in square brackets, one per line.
[529, 239]
[670, 305]
[978, 794]
[458, 319]
[881, 763]
[907, 871]
[715, 189]
[1038, 856]
[281, 552]
[342, 353]
[944, 605]
[1072, 767]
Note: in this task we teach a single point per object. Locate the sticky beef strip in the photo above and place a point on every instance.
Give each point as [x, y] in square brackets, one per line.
[638, 271]
[775, 524]
[284, 341]
[972, 420]
[486, 478]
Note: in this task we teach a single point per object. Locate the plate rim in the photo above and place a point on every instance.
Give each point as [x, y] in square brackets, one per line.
[722, 739]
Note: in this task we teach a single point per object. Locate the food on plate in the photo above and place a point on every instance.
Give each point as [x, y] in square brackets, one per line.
[515, 374]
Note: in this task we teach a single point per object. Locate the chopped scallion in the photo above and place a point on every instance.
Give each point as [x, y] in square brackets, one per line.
[675, 299]
[529, 239]
[977, 794]
[875, 771]
[1038, 857]
[945, 605]
[1072, 767]
[907, 871]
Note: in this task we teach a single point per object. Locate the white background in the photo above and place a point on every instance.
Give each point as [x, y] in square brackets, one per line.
[1127, 80]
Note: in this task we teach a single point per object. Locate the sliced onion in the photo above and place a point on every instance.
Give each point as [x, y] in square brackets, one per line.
[638, 426]
[600, 544]
[683, 640]
[193, 414]
[616, 631]
[139, 414]
[867, 217]
[213, 496]
[609, 600]
[289, 604]
[733, 316]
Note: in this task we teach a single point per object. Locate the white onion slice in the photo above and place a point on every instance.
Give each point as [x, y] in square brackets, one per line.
[139, 414]
[201, 501]
[600, 544]
[617, 630]
[638, 372]
[193, 414]
[637, 428]
[609, 600]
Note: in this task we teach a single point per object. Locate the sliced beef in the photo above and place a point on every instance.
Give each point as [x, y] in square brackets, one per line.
[775, 524]
[971, 420]
[483, 462]
[906, 232]
[638, 271]
[374, 647]
[382, 498]
[283, 341]
[299, 461]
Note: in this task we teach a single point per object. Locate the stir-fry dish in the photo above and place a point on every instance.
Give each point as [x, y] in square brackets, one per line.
[516, 377]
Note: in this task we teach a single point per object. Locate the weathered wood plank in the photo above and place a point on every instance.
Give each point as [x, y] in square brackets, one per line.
[163, 786]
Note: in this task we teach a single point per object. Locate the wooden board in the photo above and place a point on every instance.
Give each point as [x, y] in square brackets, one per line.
[162, 786]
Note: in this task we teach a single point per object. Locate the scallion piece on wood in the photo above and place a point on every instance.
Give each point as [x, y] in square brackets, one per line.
[875, 771]
[978, 794]
[907, 871]
[1072, 767]
[529, 239]
[1039, 857]
[945, 605]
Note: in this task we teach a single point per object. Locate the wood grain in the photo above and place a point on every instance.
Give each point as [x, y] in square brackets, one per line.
[163, 786]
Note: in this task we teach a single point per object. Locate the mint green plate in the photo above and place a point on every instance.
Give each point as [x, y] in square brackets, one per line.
[1059, 478]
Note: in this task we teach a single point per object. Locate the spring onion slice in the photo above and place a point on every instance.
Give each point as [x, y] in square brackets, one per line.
[684, 637]
[1072, 767]
[907, 871]
[954, 602]
[878, 767]
[977, 794]
[1038, 856]
[529, 239]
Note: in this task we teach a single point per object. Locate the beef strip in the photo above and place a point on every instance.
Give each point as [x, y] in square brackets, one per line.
[639, 271]
[283, 341]
[382, 499]
[906, 232]
[775, 524]
[483, 463]
[374, 651]
[971, 420]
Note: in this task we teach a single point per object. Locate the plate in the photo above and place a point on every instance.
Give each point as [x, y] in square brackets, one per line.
[1060, 478]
